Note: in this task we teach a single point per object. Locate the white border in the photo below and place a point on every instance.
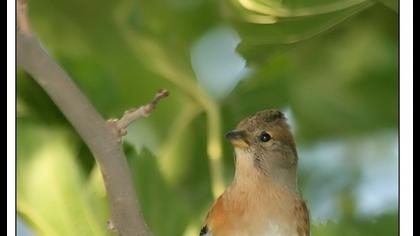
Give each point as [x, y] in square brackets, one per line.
[406, 117]
[11, 92]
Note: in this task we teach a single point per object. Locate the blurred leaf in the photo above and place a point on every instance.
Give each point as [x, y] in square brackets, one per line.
[294, 24]
[34, 102]
[165, 30]
[343, 77]
[52, 193]
[157, 200]
[175, 184]
[392, 4]
[289, 8]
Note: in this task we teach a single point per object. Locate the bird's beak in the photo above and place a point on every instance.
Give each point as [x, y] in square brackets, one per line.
[238, 138]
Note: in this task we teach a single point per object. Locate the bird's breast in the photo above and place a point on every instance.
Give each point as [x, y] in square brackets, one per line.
[269, 229]
[265, 213]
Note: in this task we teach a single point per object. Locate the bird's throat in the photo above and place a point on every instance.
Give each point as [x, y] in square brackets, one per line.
[248, 174]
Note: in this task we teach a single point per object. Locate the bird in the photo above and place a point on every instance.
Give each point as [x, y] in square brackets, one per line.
[263, 198]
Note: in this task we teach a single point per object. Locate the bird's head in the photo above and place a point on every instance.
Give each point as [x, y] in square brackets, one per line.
[265, 140]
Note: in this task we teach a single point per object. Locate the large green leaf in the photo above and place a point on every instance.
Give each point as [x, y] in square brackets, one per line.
[340, 83]
[279, 24]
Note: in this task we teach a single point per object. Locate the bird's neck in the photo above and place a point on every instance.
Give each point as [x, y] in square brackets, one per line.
[248, 175]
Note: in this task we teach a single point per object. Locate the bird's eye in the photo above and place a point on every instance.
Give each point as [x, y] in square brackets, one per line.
[265, 137]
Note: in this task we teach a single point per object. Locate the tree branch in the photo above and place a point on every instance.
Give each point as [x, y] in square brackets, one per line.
[136, 113]
[100, 137]
[22, 17]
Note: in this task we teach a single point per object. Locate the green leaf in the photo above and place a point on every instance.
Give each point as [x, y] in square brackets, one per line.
[52, 193]
[292, 8]
[34, 102]
[157, 200]
[391, 4]
[290, 25]
[345, 77]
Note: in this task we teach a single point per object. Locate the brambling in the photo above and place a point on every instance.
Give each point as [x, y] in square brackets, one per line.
[263, 199]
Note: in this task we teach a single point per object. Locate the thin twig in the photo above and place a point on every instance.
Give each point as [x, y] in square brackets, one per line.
[136, 113]
[103, 142]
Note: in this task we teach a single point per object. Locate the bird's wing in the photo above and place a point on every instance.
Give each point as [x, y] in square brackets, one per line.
[215, 220]
[302, 215]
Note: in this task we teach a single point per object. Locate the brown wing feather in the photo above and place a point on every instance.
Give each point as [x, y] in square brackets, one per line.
[221, 218]
[302, 216]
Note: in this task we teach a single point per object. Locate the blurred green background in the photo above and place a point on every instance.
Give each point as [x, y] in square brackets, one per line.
[330, 65]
